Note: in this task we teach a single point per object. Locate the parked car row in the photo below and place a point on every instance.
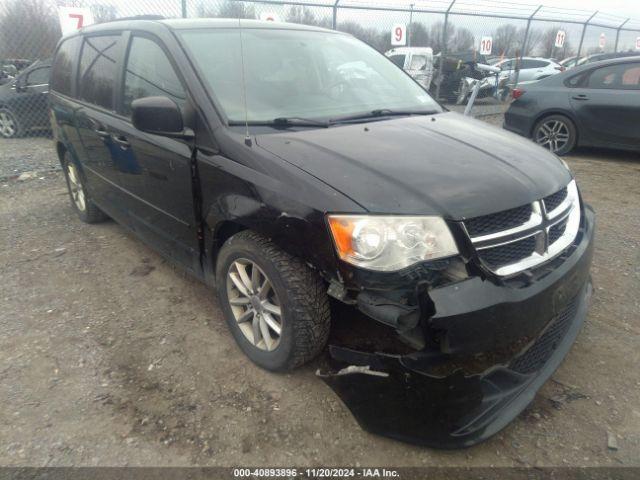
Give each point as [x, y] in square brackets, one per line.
[596, 104]
[23, 101]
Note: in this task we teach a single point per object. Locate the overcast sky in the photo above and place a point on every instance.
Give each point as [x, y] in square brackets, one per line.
[624, 8]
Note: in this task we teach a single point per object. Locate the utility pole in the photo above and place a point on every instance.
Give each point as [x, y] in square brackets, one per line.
[443, 51]
[584, 30]
[409, 31]
[523, 52]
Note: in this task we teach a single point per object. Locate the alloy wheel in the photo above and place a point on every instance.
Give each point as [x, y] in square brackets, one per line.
[553, 135]
[75, 187]
[7, 125]
[254, 304]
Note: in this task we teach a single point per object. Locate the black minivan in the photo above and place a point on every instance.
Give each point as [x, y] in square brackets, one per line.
[284, 165]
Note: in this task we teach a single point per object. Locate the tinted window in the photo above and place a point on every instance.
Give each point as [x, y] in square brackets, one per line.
[63, 67]
[534, 64]
[624, 76]
[398, 60]
[149, 73]
[418, 62]
[98, 70]
[39, 76]
[508, 65]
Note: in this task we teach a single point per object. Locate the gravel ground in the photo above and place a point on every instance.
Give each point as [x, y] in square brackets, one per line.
[110, 356]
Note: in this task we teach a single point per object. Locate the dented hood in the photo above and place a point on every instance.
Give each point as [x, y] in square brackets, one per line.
[444, 164]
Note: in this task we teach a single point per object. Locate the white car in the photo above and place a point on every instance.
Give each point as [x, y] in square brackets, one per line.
[416, 61]
[530, 68]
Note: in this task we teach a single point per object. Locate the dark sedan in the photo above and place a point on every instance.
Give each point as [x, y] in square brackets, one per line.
[23, 101]
[596, 105]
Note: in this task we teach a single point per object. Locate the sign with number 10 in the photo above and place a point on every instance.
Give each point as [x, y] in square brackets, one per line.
[486, 45]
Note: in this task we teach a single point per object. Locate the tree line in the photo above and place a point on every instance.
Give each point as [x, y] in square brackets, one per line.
[30, 29]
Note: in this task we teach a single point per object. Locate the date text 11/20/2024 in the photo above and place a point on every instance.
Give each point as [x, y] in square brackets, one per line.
[315, 472]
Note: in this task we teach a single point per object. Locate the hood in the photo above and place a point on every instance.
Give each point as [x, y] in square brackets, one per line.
[445, 164]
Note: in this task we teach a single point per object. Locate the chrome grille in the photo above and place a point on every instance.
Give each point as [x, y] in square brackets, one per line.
[496, 222]
[509, 252]
[514, 240]
[555, 200]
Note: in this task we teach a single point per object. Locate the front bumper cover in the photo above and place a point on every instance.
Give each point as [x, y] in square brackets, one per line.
[398, 396]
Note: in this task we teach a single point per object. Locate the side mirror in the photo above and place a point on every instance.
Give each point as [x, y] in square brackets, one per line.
[21, 85]
[160, 116]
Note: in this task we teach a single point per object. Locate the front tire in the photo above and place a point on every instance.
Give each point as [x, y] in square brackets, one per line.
[80, 199]
[10, 126]
[275, 306]
[556, 133]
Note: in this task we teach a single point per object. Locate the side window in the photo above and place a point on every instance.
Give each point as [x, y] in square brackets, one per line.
[98, 70]
[149, 74]
[624, 76]
[398, 60]
[418, 62]
[39, 76]
[63, 68]
[631, 77]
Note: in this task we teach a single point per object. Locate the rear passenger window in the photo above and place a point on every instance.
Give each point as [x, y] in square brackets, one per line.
[150, 74]
[62, 68]
[98, 70]
[623, 76]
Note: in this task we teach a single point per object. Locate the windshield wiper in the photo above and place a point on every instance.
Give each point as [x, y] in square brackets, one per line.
[285, 122]
[381, 112]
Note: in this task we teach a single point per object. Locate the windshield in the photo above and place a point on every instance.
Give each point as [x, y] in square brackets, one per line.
[293, 73]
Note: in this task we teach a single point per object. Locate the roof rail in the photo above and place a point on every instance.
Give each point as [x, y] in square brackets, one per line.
[139, 17]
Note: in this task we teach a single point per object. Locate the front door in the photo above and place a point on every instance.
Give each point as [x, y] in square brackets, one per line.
[34, 97]
[607, 105]
[155, 170]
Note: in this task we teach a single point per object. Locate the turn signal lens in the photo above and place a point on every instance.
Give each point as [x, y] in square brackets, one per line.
[388, 243]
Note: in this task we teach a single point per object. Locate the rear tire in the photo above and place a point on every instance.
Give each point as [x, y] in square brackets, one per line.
[556, 133]
[296, 299]
[80, 199]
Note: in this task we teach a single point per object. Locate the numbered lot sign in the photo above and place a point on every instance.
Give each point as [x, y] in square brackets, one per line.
[603, 40]
[74, 18]
[399, 35]
[560, 36]
[486, 45]
[638, 43]
[269, 17]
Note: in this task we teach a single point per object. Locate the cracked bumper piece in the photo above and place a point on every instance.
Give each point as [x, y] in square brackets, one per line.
[397, 395]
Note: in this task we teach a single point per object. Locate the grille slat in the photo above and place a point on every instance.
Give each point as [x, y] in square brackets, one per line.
[553, 201]
[497, 222]
[509, 253]
[556, 231]
[536, 355]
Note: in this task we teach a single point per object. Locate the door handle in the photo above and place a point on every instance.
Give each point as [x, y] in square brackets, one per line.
[121, 140]
[580, 97]
[101, 132]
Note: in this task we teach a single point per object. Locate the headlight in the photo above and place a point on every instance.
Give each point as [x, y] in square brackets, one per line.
[390, 243]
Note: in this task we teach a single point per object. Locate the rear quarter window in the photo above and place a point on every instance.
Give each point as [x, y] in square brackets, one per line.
[64, 65]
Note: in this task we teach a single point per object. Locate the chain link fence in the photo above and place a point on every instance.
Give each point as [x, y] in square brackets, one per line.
[452, 29]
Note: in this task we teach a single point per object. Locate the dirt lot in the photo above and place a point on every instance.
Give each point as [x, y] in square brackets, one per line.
[110, 356]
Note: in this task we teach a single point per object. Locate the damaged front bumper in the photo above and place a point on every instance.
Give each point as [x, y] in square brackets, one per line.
[400, 396]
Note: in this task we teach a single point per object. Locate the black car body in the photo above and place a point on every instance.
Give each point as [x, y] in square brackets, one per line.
[200, 187]
[23, 101]
[595, 105]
